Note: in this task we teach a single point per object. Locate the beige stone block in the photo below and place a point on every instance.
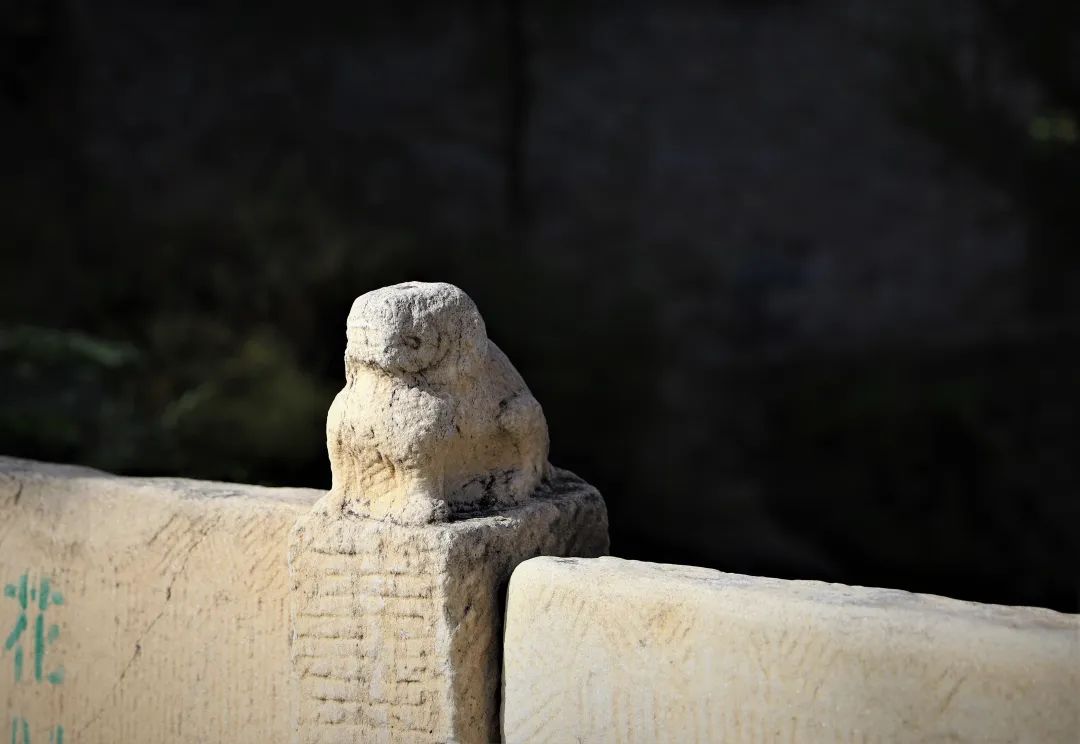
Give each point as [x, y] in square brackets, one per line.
[397, 628]
[170, 601]
[609, 650]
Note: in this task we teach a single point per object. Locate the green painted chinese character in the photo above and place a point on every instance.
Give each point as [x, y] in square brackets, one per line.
[42, 596]
[20, 732]
[17, 729]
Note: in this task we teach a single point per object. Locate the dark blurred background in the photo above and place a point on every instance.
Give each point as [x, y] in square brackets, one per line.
[797, 283]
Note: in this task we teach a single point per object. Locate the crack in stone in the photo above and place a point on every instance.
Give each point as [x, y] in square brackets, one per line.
[150, 626]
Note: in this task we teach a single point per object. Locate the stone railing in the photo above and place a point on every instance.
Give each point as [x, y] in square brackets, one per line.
[613, 650]
[164, 610]
[173, 615]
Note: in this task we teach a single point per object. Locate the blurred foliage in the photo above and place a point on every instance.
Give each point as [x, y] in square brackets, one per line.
[49, 379]
[71, 397]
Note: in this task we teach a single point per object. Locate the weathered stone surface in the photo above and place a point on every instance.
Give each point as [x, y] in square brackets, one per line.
[609, 650]
[170, 601]
[433, 421]
[441, 487]
[397, 628]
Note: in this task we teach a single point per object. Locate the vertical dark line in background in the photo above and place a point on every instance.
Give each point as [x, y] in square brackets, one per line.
[518, 101]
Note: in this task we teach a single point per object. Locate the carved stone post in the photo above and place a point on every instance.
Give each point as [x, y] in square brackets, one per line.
[441, 486]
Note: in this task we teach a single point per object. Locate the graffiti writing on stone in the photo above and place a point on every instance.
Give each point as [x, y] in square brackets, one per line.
[27, 644]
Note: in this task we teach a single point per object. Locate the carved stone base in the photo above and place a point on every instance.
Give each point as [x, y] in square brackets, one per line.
[397, 630]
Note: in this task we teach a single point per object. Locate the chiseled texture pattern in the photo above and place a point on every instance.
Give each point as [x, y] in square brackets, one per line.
[397, 629]
[609, 650]
[434, 422]
[174, 620]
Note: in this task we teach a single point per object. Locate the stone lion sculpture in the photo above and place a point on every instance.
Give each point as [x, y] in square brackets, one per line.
[434, 422]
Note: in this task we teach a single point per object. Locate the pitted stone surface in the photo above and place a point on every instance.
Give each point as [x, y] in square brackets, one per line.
[434, 422]
[397, 629]
[609, 650]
